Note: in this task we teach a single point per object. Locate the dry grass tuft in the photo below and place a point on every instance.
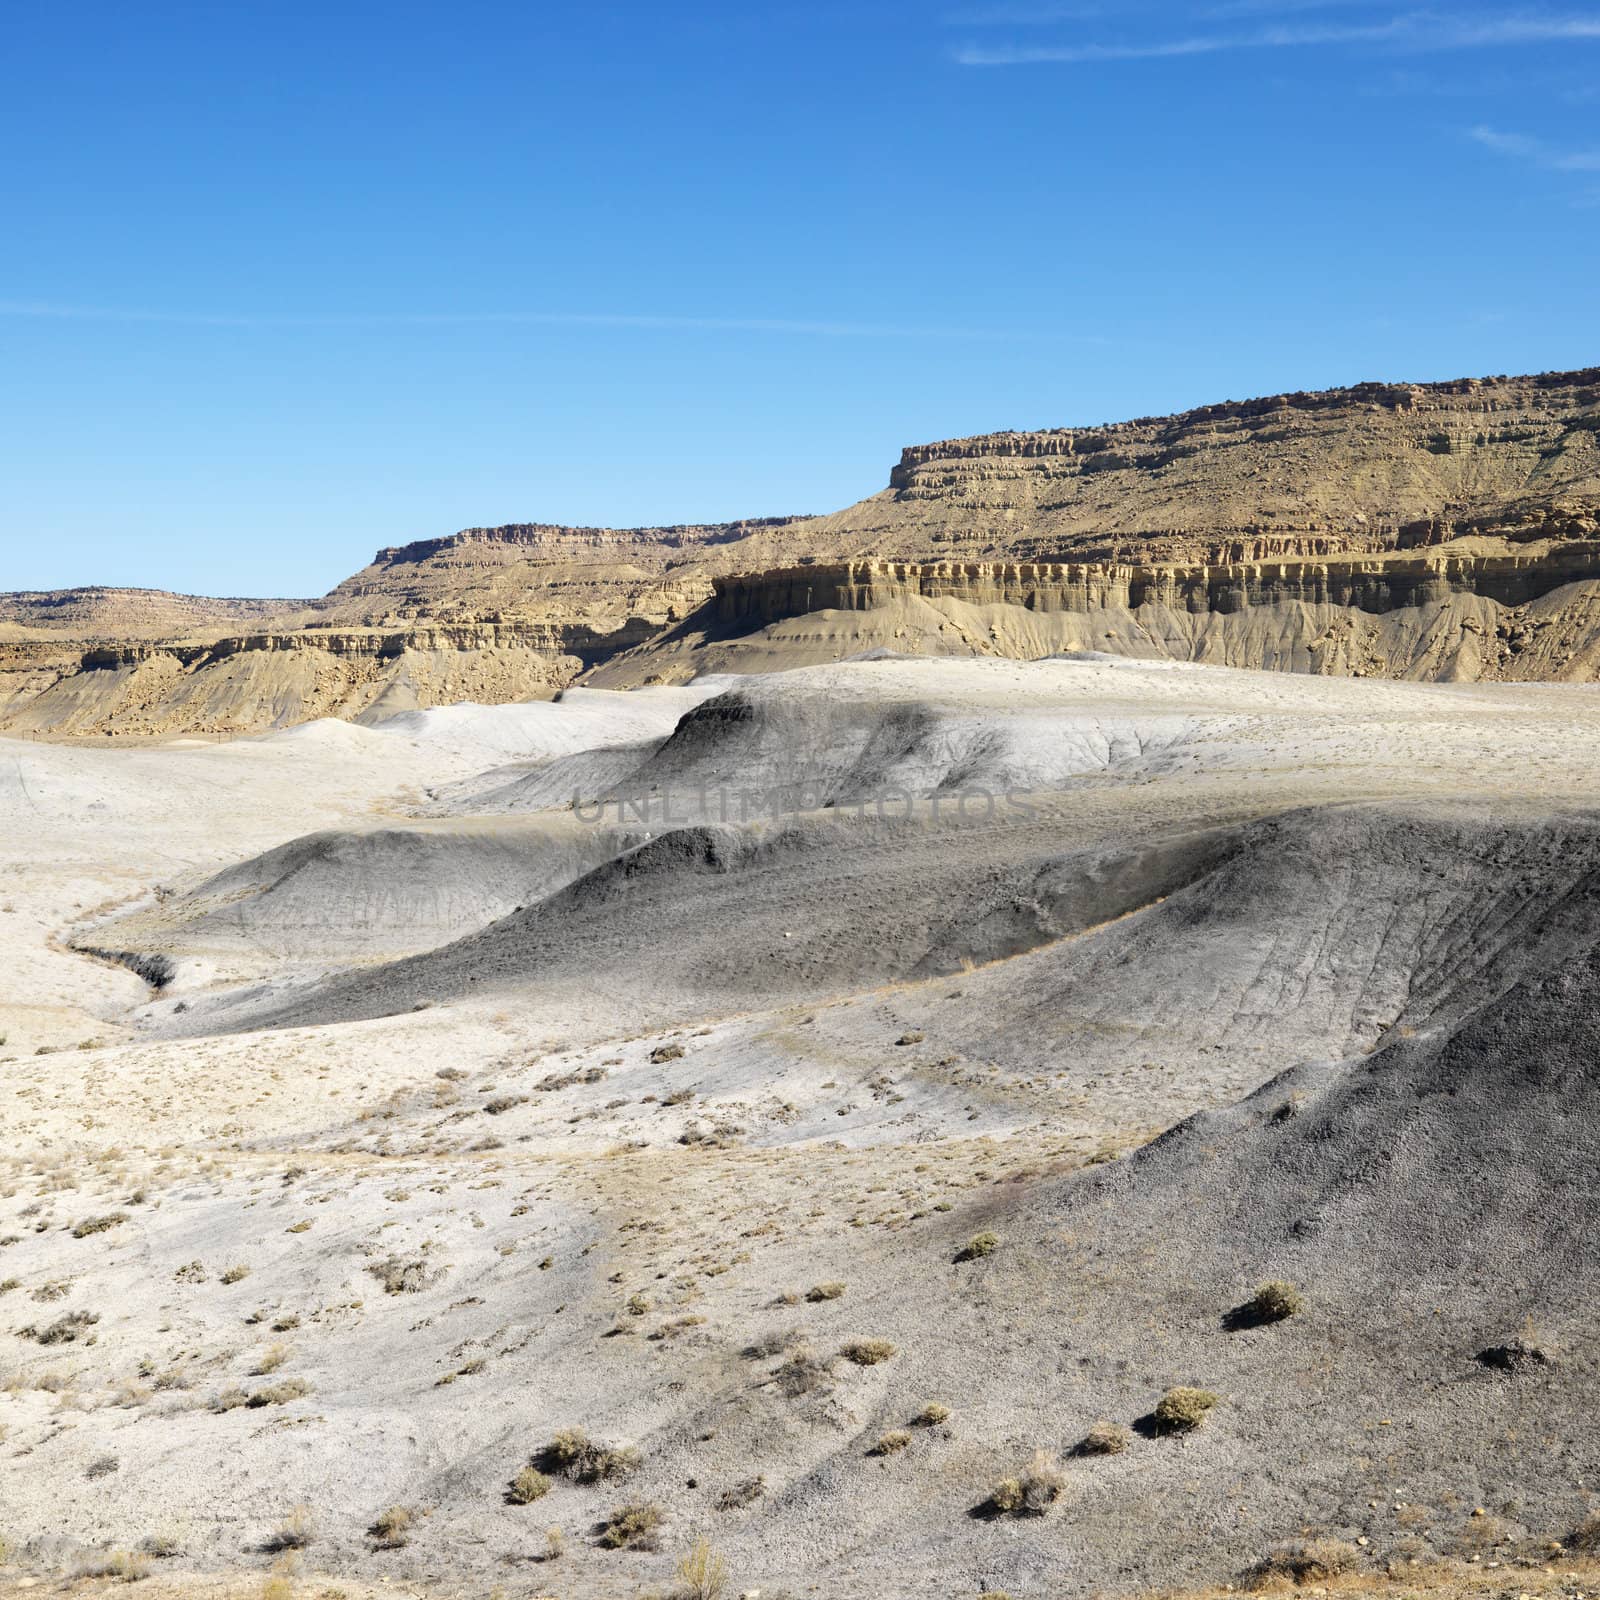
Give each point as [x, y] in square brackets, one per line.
[400, 1276]
[978, 1246]
[1182, 1410]
[633, 1527]
[529, 1485]
[867, 1352]
[1305, 1561]
[1276, 1300]
[578, 1457]
[1585, 1538]
[126, 1566]
[271, 1359]
[111, 1219]
[742, 1494]
[703, 1574]
[803, 1373]
[295, 1532]
[1105, 1439]
[1034, 1492]
[391, 1529]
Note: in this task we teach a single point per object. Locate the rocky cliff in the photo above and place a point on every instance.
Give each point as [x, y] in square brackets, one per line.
[1442, 530]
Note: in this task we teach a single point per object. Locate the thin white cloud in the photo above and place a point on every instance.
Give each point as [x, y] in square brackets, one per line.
[1417, 31]
[1285, 8]
[1023, 16]
[49, 310]
[1524, 147]
[1040, 13]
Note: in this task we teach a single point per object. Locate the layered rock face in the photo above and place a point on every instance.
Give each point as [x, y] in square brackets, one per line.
[1372, 584]
[1427, 530]
[130, 613]
[1367, 469]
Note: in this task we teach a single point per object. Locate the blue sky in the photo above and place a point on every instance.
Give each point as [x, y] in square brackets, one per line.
[281, 283]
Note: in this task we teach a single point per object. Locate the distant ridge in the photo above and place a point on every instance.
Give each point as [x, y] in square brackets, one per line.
[1487, 489]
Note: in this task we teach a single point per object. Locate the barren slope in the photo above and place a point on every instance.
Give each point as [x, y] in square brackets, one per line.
[661, 1153]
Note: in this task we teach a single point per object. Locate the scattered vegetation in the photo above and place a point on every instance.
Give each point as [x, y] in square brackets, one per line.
[280, 1394]
[703, 1574]
[1585, 1538]
[1305, 1561]
[774, 1342]
[1275, 1300]
[1105, 1439]
[666, 1052]
[67, 1329]
[673, 1326]
[633, 1527]
[803, 1373]
[742, 1494]
[274, 1394]
[271, 1359]
[126, 1566]
[391, 1529]
[235, 1274]
[819, 1292]
[279, 1584]
[578, 1457]
[400, 1276]
[933, 1415]
[891, 1443]
[1034, 1492]
[867, 1352]
[529, 1485]
[1181, 1410]
[112, 1219]
[978, 1246]
[295, 1532]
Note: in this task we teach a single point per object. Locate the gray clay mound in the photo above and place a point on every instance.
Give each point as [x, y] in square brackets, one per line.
[1305, 935]
[1434, 1204]
[1302, 936]
[756, 749]
[549, 785]
[367, 894]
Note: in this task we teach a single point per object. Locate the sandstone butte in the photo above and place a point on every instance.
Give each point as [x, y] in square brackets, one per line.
[1446, 531]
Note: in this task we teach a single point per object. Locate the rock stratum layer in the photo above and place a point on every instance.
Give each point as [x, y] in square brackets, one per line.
[1443, 531]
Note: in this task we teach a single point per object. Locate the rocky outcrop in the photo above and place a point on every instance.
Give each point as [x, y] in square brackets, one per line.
[1373, 585]
[252, 681]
